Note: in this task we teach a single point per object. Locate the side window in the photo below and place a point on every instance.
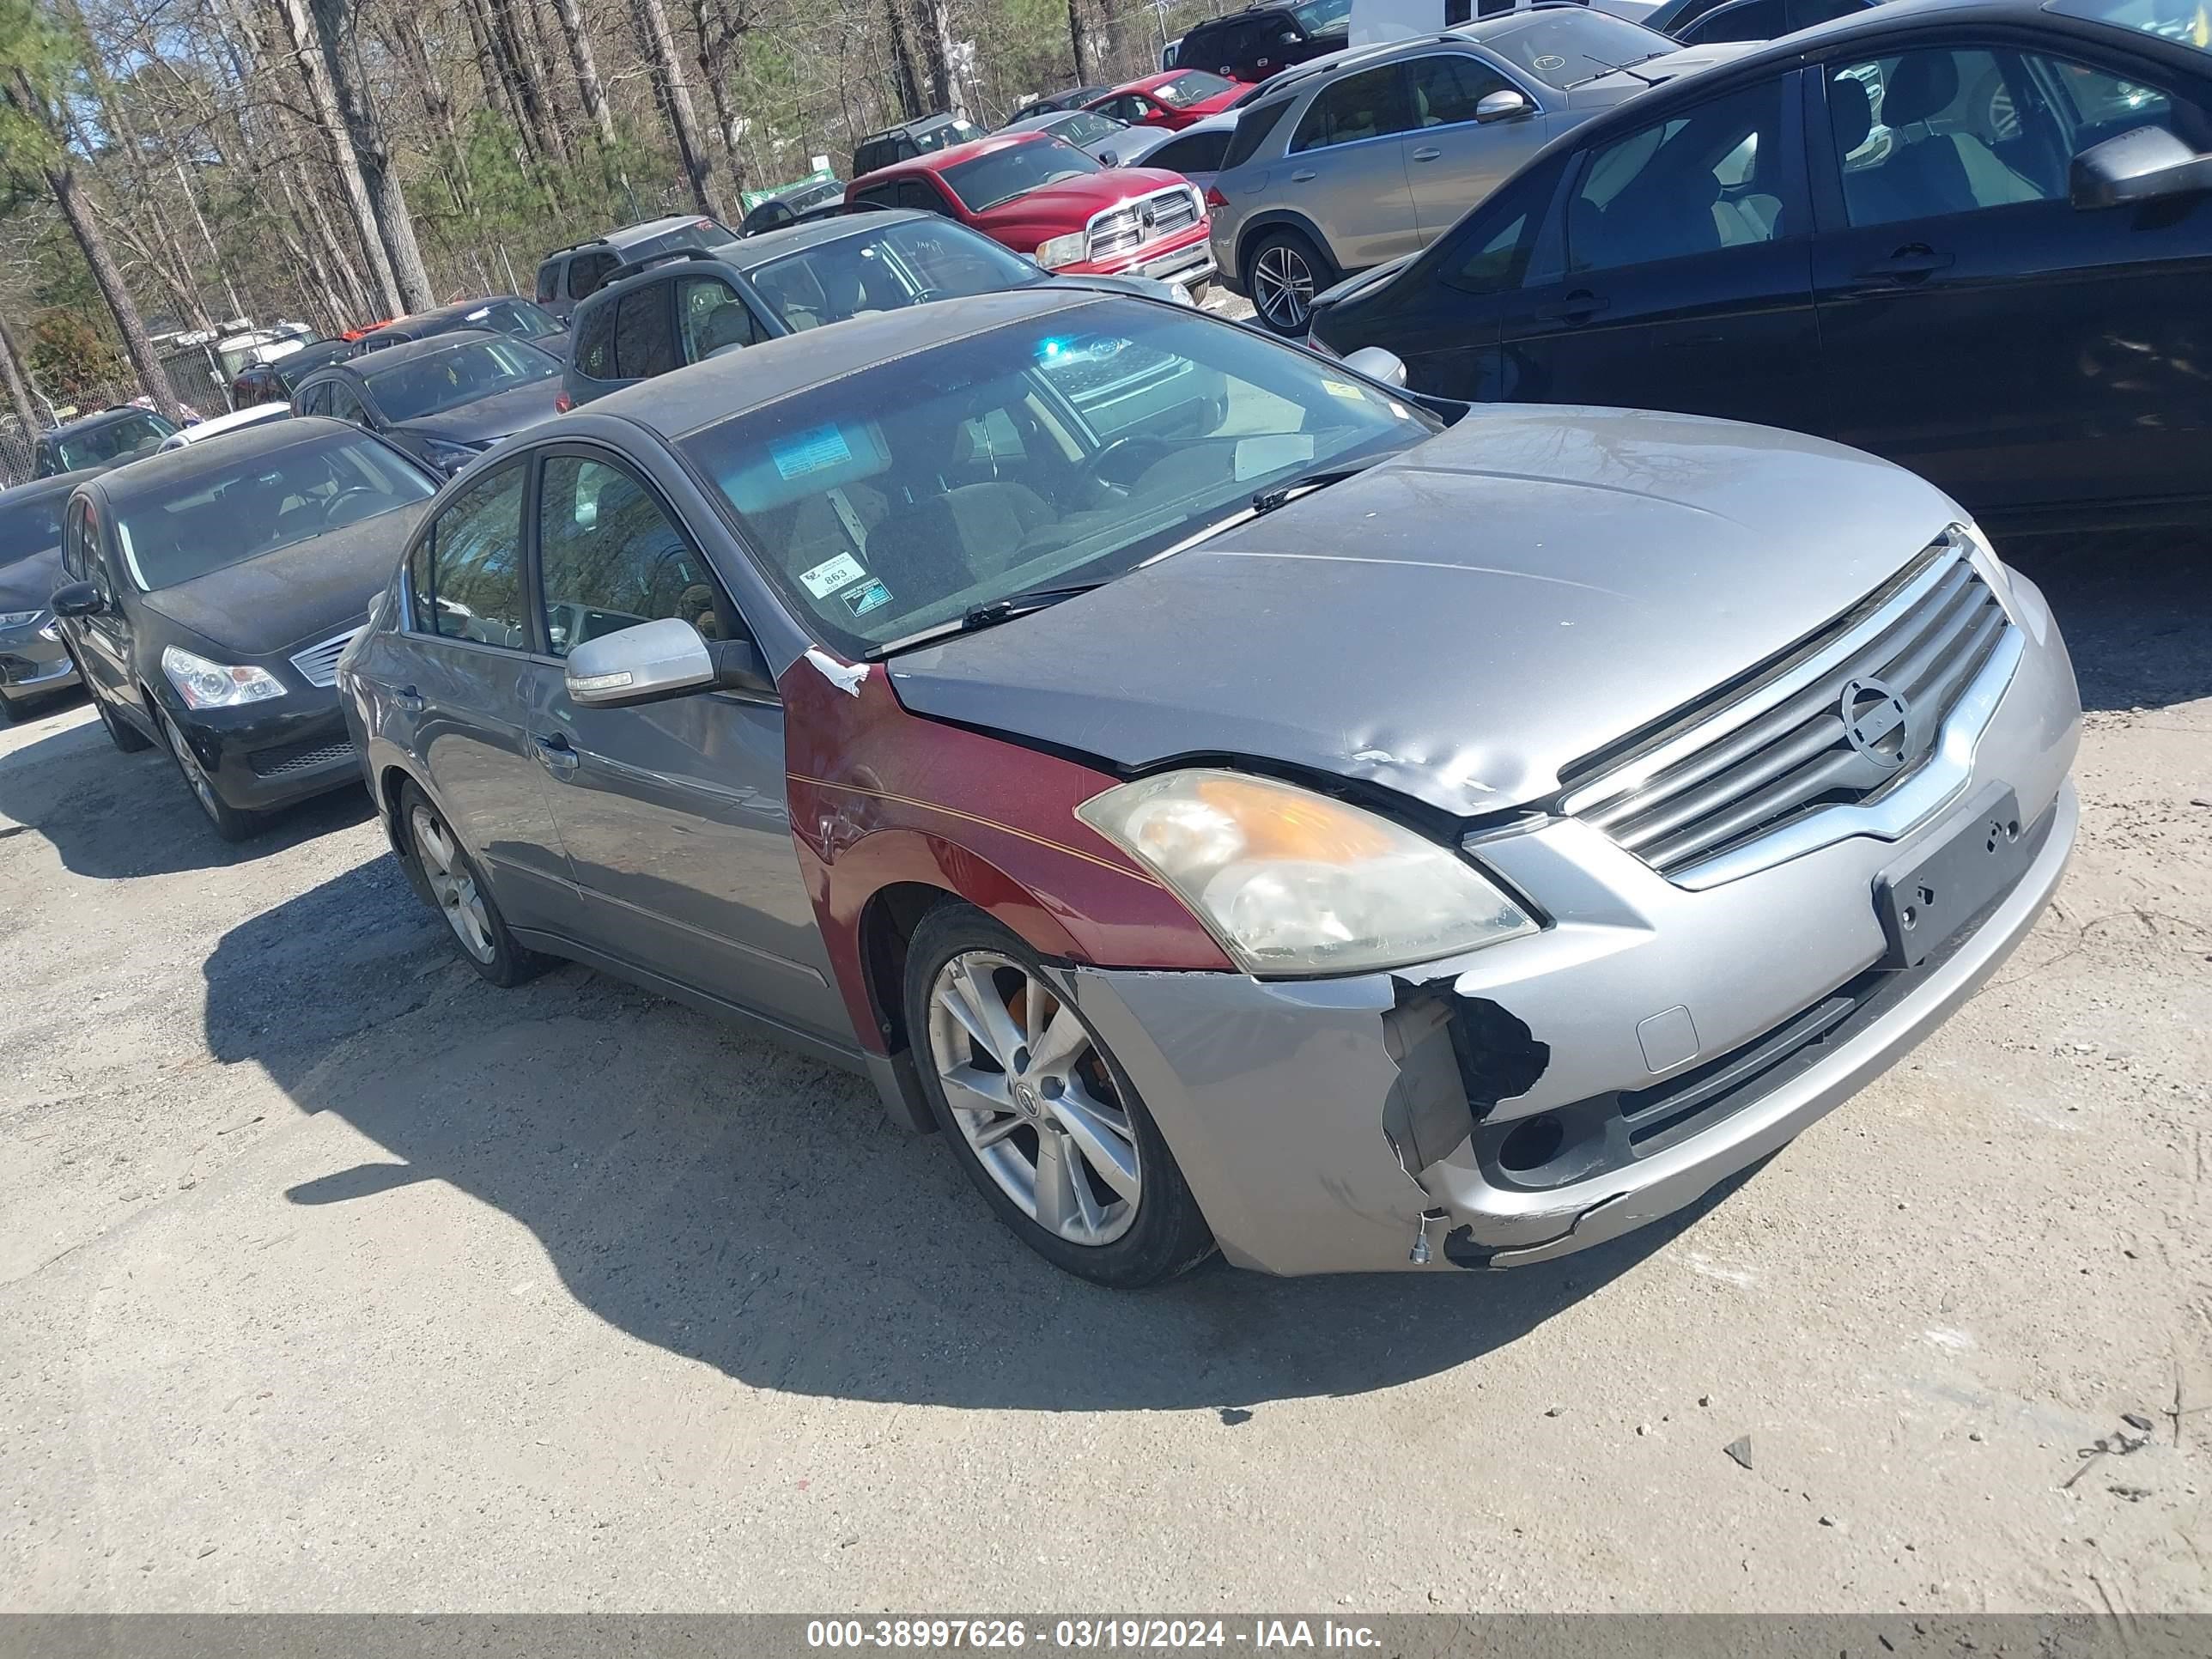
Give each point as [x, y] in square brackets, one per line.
[595, 342]
[1201, 152]
[610, 558]
[315, 400]
[77, 562]
[919, 195]
[422, 614]
[643, 344]
[878, 196]
[1944, 131]
[1448, 85]
[711, 318]
[1369, 105]
[548, 282]
[1709, 179]
[1254, 123]
[587, 272]
[344, 406]
[1490, 263]
[476, 563]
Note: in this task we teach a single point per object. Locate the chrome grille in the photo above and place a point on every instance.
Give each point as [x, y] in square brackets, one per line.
[1135, 223]
[1761, 752]
[319, 664]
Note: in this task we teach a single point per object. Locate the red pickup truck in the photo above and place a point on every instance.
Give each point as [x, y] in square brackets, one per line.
[1032, 193]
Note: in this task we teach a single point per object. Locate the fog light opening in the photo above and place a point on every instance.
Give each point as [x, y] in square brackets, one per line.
[1532, 1145]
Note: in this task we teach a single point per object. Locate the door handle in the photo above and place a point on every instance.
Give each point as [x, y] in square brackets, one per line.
[1427, 154]
[1576, 308]
[407, 699]
[1909, 264]
[1303, 176]
[555, 755]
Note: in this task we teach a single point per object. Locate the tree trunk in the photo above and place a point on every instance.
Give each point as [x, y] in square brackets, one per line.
[587, 71]
[315, 71]
[1079, 37]
[77, 208]
[519, 49]
[333, 22]
[719, 32]
[676, 95]
[904, 81]
[19, 384]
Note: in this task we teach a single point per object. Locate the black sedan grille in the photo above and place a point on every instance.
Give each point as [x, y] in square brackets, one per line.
[288, 758]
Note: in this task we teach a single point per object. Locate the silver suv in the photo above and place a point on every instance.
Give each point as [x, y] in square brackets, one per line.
[1370, 155]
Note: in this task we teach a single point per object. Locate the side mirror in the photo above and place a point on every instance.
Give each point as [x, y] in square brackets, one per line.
[77, 599]
[2141, 166]
[657, 660]
[1509, 105]
[1107, 159]
[1377, 364]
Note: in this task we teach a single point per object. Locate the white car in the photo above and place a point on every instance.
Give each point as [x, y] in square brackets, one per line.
[216, 425]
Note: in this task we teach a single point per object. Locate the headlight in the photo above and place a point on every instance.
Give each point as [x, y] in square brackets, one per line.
[1062, 250]
[448, 458]
[204, 684]
[19, 618]
[1181, 296]
[1291, 882]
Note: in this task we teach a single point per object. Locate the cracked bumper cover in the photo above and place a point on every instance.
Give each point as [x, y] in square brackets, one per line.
[1279, 1098]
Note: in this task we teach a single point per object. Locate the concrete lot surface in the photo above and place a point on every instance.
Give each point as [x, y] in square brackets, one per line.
[333, 1279]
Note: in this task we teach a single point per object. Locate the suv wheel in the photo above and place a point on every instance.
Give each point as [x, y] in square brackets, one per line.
[1287, 272]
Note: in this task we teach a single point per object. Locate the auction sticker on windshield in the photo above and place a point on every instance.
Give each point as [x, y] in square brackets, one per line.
[810, 451]
[827, 578]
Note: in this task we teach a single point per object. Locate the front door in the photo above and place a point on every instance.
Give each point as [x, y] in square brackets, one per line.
[2015, 350]
[102, 639]
[673, 812]
[1687, 277]
[1453, 160]
[479, 694]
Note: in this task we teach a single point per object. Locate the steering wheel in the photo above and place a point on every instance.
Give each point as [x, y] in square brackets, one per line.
[336, 512]
[1146, 446]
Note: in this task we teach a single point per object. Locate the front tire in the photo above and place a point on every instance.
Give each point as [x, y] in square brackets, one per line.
[1038, 1111]
[230, 822]
[459, 891]
[127, 737]
[1287, 271]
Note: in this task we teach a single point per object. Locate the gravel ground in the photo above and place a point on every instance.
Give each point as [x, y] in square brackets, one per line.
[332, 1278]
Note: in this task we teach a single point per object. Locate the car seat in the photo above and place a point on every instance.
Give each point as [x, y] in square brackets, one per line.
[1931, 173]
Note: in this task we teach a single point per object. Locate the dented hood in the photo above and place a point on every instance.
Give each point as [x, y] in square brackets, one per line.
[1462, 622]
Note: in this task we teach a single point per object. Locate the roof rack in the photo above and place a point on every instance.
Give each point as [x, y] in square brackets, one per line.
[568, 247]
[667, 256]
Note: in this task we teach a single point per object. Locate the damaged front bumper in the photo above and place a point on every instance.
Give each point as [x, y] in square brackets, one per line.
[1545, 1095]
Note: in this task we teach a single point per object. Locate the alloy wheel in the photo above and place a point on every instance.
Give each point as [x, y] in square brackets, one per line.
[202, 787]
[1033, 1098]
[1283, 287]
[452, 883]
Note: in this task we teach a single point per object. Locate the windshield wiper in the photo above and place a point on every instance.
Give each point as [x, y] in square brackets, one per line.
[1274, 496]
[989, 614]
[1617, 69]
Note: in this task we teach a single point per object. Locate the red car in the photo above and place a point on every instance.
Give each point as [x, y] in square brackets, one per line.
[1172, 100]
[1032, 193]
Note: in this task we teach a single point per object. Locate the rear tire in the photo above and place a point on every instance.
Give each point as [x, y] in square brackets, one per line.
[1285, 272]
[1039, 1113]
[458, 889]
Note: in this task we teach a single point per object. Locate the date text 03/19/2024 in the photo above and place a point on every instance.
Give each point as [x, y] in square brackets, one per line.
[1260, 1635]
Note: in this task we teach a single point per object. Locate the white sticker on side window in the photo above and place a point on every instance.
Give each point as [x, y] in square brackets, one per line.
[826, 578]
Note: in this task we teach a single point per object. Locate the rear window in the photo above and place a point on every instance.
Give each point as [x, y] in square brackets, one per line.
[1253, 126]
[1015, 171]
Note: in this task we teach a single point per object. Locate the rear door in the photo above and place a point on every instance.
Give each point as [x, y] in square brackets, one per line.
[2016, 350]
[645, 331]
[1453, 160]
[673, 813]
[483, 690]
[1345, 168]
[1686, 282]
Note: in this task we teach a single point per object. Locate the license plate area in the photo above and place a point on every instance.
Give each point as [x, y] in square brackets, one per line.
[1923, 902]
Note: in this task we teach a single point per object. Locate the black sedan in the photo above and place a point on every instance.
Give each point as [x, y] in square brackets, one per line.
[445, 399]
[1972, 236]
[208, 592]
[498, 313]
[33, 661]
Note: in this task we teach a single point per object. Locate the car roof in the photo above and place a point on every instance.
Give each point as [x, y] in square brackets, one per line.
[749, 254]
[158, 473]
[920, 122]
[458, 308]
[937, 161]
[99, 417]
[707, 392]
[57, 484]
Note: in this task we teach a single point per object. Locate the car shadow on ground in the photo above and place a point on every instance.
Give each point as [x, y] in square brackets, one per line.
[732, 1203]
[111, 815]
[2136, 610]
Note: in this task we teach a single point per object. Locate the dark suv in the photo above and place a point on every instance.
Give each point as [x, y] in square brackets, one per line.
[568, 274]
[108, 439]
[910, 139]
[1265, 39]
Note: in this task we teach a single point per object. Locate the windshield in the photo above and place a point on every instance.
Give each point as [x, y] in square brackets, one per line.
[1061, 448]
[511, 317]
[1317, 16]
[1015, 171]
[219, 516]
[886, 269]
[1086, 127]
[116, 441]
[2185, 22]
[1191, 86]
[31, 526]
[459, 374]
[1567, 47]
[945, 134]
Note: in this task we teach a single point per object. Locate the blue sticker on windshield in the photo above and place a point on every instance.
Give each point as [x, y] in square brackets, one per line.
[867, 597]
[809, 452]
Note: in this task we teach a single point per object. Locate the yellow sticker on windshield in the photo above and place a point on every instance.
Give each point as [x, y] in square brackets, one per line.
[1343, 389]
